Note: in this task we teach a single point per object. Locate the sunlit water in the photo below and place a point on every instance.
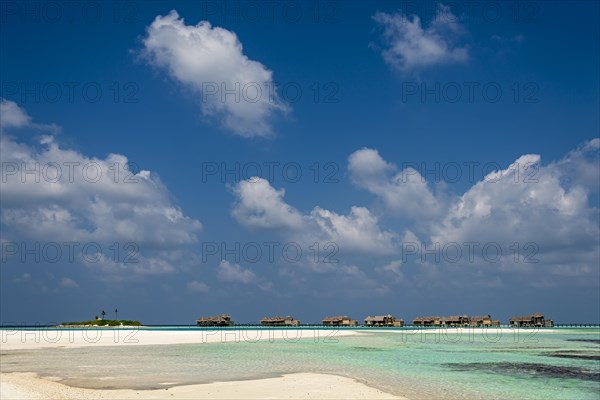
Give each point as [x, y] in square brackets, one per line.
[548, 365]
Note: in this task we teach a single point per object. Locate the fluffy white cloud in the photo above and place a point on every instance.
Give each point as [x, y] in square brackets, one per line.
[234, 273]
[404, 192]
[210, 60]
[530, 211]
[580, 166]
[262, 206]
[259, 205]
[547, 206]
[411, 47]
[357, 231]
[198, 287]
[58, 194]
[12, 115]
[228, 272]
[393, 268]
[360, 282]
[545, 209]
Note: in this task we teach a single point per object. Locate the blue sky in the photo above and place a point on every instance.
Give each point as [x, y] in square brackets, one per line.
[419, 129]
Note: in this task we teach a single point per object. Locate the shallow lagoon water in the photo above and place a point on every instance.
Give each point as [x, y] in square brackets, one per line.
[558, 364]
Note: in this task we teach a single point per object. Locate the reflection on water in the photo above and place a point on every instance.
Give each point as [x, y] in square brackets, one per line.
[563, 365]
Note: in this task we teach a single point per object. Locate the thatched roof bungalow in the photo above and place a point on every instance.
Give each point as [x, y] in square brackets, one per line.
[427, 321]
[383, 320]
[340, 320]
[279, 321]
[483, 320]
[217, 320]
[535, 320]
[455, 320]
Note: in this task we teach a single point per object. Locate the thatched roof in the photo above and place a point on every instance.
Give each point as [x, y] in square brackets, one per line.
[379, 318]
[451, 319]
[276, 319]
[216, 317]
[454, 318]
[431, 318]
[336, 318]
[480, 317]
[522, 318]
[527, 317]
[223, 318]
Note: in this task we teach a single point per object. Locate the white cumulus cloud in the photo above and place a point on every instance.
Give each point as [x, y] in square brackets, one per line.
[541, 217]
[228, 272]
[359, 230]
[404, 192]
[210, 61]
[411, 47]
[546, 206]
[54, 193]
[259, 205]
[262, 206]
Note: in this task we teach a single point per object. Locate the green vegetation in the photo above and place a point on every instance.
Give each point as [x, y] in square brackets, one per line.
[104, 322]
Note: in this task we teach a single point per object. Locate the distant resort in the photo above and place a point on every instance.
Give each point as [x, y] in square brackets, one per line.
[536, 320]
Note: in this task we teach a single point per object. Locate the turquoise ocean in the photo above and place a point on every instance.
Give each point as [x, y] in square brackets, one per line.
[496, 364]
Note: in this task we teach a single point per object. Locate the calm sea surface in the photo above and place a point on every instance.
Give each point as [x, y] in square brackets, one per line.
[562, 364]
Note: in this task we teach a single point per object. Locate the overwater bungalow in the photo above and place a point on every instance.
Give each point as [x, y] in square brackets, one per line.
[217, 320]
[279, 321]
[340, 320]
[427, 321]
[383, 320]
[536, 320]
[484, 320]
[455, 320]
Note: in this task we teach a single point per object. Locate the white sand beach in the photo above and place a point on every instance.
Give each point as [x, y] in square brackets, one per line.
[15, 339]
[19, 386]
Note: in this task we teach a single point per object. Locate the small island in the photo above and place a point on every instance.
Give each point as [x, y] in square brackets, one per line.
[101, 322]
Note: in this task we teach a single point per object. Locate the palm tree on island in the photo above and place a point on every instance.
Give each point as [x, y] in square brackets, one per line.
[103, 314]
[116, 314]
